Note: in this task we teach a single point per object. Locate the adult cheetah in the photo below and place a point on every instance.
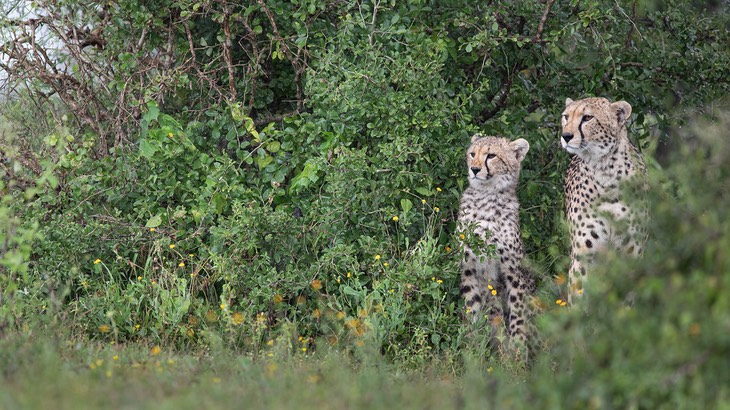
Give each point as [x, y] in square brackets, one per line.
[594, 131]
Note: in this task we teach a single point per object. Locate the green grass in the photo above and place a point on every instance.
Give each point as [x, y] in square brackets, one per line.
[43, 372]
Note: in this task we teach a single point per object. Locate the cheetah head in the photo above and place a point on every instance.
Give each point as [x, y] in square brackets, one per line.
[494, 162]
[593, 126]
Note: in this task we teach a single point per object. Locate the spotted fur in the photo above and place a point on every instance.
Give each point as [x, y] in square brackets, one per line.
[594, 132]
[495, 288]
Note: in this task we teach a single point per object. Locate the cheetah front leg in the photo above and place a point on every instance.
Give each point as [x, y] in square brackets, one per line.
[475, 288]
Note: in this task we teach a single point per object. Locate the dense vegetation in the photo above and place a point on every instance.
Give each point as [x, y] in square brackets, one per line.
[278, 180]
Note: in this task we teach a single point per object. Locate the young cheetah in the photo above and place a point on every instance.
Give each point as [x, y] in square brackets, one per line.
[496, 288]
[594, 131]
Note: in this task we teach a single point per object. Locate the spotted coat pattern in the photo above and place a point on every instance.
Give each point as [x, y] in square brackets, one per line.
[594, 131]
[497, 288]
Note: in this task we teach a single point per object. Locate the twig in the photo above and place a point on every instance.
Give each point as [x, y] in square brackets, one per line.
[541, 26]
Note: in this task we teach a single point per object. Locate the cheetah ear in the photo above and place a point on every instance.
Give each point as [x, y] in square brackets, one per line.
[622, 110]
[520, 147]
[568, 101]
[475, 137]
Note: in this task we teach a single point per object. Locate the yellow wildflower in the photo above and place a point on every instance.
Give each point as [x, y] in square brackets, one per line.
[152, 229]
[181, 264]
[136, 327]
[139, 278]
[223, 306]
[462, 236]
[316, 284]
[436, 209]
[438, 189]
[559, 301]
[191, 332]
[237, 318]
[494, 292]
[340, 315]
[439, 281]
[98, 261]
[304, 349]
[172, 246]
[115, 358]
[423, 201]
[170, 135]
[385, 264]
[377, 257]
[155, 350]
[448, 249]
[104, 328]
[349, 274]
[395, 218]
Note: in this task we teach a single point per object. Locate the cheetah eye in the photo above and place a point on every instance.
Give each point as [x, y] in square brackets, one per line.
[490, 156]
[565, 117]
[472, 154]
[586, 118]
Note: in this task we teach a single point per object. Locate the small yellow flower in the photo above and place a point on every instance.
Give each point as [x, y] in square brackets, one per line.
[152, 229]
[494, 292]
[136, 327]
[172, 246]
[433, 278]
[170, 135]
[191, 332]
[423, 201]
[462, 236]
[436, 209]
[270, 343]
[192, 275]
[191, 255]
[153, 282]
[316, 284]
[564, 303]
[104, 328]
[340, 315]
[559, 301]
[139, 278]
[448, 249]
[223, 306]
[98, 261]
[349, 274]
[115, 358]
[237, 318]
[181, 264]
[438, 189]
[392, 291]
[304, 349]
[377, 257]
[395, 218]
[439, 281]
[580, 291]
[385, 264]
[155, 350]
[490, 369]
[338, 280]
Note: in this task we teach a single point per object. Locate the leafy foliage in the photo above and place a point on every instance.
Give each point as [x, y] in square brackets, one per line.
[206, 173]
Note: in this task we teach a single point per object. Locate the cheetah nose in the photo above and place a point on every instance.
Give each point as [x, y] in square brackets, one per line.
[567, 137]
[475, 170]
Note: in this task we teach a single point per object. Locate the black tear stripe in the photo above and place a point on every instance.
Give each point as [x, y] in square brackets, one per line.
[580, 130]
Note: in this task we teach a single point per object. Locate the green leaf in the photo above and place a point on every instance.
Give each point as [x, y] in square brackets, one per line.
[146, 149]
[154, 222]
[406, 205]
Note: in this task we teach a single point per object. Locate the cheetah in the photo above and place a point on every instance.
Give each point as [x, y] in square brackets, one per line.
[594, 131]
[496, 288]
